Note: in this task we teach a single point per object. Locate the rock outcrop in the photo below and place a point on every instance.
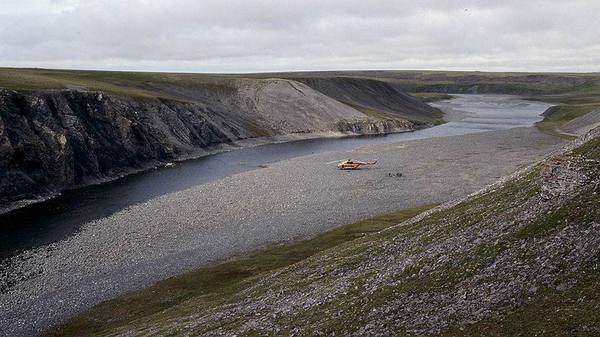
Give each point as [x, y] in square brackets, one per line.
[54, 140]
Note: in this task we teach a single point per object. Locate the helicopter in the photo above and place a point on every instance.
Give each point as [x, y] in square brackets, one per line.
[350, 164]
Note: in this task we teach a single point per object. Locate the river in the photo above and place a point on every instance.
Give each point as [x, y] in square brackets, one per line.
[53, 220]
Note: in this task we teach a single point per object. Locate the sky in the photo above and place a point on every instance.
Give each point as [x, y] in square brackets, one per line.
[280, 35]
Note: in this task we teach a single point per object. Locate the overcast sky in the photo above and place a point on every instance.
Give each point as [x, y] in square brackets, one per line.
[279, 35]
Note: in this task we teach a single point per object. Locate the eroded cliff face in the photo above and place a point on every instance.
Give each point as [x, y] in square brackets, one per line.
[291, 107]
[380, 96]
[55, 140]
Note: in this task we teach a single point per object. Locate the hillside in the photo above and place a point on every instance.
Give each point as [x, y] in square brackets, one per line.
[359, 93]
[513, 83]
[576, 94]
[519, 257]
[65, 129]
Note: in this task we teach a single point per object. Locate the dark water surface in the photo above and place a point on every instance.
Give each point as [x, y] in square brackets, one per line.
[56, 219]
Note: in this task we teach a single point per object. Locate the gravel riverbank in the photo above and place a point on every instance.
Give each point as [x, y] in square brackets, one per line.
[287, 200]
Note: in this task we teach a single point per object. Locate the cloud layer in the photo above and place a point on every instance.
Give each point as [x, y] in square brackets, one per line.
[269, 35]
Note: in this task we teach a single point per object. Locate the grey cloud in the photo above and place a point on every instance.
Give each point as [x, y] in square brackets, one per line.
[235, 35]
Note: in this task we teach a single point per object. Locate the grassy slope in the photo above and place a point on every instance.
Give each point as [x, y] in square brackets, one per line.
[571, 312]
[427, 97]
[324, 260]
[574, 312]
[137, 84]
[559, 115]
[552, 123]
[220, 279]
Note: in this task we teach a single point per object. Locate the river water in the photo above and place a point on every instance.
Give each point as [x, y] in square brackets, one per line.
[56, 219]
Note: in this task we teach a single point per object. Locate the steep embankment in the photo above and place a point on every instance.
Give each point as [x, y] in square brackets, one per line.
[582, 124]
[570, 121]
[55, 139]
[373, 97]
[288, 107]
[520, 257]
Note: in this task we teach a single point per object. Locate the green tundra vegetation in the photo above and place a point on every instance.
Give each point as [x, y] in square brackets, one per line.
[137, 84]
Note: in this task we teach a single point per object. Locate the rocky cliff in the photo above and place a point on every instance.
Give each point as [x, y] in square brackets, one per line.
[52, 140]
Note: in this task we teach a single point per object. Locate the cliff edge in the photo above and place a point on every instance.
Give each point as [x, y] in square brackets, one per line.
[56, 139]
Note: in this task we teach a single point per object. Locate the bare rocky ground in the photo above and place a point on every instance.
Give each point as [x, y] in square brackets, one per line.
[287, 200]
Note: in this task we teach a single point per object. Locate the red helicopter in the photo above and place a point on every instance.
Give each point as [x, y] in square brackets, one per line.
[350, 164]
